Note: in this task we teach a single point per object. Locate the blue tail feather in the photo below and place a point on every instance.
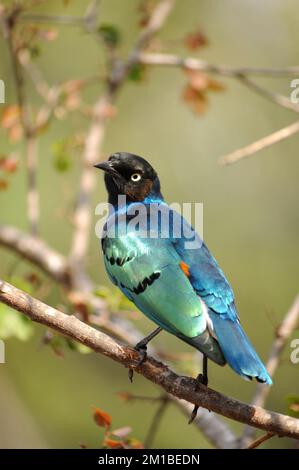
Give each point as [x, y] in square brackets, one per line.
[238, 350]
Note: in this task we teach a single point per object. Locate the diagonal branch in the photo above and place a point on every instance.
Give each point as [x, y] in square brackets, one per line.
[282, 334]
[276, 98]
[158, 373]
[57, 267]
[260, 144]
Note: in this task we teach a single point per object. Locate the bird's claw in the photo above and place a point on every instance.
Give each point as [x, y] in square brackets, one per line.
[193, 414]
[203, 380]
[142, 350]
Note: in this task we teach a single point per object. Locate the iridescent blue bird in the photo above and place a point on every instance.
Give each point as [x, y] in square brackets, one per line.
[178, 285]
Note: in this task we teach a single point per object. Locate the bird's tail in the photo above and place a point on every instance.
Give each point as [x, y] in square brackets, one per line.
[237, 349]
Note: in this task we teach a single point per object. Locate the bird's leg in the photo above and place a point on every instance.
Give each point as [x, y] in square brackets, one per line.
[201, 379]
[141, 347]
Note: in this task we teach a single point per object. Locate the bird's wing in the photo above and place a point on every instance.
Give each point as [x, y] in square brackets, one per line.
[207, 278]
[213, 288]
[151, 274]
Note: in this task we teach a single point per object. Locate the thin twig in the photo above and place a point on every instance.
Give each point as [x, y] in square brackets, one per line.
[277, 98]
[260, 440]
[158, 373]
[191, 63]
[97, 130]
[282, 334]
[88, 21]
[29, 135]
[260, 144]
[156, 421]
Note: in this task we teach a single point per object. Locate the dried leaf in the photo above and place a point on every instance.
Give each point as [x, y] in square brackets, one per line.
[3, 184]
[15, 133]
[197, 100]
[195, 40]
[196, 91]
[125, 396]
[48, 34]
[122, 432]
[8, 164]
[101, 418]
[10, 116]
[214, 85]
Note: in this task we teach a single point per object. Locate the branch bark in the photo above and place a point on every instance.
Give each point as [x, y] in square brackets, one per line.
[158, 373]
[57, 267]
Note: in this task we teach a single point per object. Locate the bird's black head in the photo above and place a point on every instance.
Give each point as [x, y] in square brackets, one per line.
[130, 175]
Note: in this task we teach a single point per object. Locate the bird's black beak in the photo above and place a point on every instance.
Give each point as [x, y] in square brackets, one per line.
[107, 167]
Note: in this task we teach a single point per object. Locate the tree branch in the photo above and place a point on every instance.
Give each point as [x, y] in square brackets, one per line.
[260, 440]
[94, 140]
[56, 266]
[260, 144]
[158, 373]
[37, 252]
[8, 24]
[282, 334]
[191, 63]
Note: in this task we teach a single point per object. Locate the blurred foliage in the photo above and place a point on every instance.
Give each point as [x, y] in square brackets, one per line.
[250, 209]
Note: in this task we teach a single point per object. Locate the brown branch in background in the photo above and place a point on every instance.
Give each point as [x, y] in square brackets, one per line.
[88, 21]
[8, 24]
[260, 440]
[260, 144]
[241, 74]
[32, 190]
[158, 373]
[156, 421]
[282, 335]
[94, 140]
[56, 266]
[171, 60]
[276, 98]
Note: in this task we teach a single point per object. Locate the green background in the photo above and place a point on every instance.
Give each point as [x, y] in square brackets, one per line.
[251, 212]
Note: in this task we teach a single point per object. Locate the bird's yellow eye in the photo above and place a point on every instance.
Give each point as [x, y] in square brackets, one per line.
[135, 177]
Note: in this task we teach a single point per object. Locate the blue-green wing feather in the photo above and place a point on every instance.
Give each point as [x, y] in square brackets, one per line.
[148, 272]
[212, 286]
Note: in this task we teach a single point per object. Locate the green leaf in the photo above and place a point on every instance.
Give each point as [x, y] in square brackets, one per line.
[35, 51]
[14, 324]
[82, 349]
[137, 73]
[110, 34]
[61, 158]
[293, 405]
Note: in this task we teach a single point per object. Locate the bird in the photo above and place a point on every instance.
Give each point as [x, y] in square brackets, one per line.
[180, 287]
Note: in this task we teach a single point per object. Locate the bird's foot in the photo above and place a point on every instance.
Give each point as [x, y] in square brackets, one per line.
[203, 380]
[141, 348]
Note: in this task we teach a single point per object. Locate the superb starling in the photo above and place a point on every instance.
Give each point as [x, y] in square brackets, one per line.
[171, 277]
